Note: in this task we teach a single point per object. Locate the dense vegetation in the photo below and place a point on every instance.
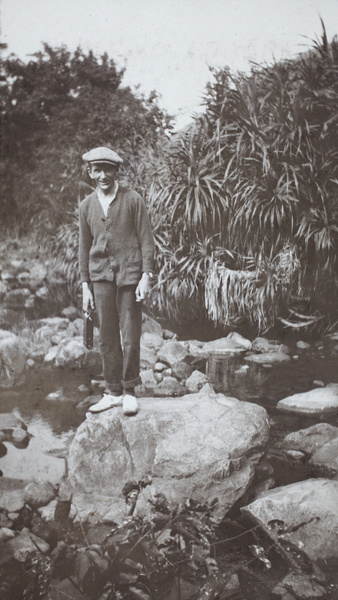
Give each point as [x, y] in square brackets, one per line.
[247, 212]
[244, 202]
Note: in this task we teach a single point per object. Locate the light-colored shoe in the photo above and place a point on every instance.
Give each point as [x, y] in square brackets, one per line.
[106, 403]
[130, 406]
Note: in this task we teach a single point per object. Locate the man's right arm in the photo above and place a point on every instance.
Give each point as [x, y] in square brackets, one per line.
[85, 242]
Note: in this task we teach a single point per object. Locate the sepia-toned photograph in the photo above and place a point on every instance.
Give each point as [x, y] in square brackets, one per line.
[169, 300]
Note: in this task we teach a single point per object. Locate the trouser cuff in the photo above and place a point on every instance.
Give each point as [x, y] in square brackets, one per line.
[131, 383]
[114, 387]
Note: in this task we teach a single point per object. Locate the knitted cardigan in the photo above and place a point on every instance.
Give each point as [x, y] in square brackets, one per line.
[118, 246]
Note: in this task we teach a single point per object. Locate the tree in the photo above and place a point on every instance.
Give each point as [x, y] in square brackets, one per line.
[54, 107]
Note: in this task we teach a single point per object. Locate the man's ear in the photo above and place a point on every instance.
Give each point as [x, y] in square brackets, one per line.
[89, 171]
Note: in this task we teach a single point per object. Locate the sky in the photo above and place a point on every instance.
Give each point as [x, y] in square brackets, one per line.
[169, 45]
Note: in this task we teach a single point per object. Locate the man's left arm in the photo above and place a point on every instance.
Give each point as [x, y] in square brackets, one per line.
[147, 248]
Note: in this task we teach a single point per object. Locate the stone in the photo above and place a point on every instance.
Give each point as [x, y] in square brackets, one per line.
[242, 370]
[196, 381]
[153, 341]
[303, 586]
[169, 387]
[51, 355]
[26, 543]
[12, 360]
[263, 345]
[12, 500]
[42, 293]
[39, 493]
[148, 379]
[9, 422]
[70, 312]
[182, 370]
[56, 323]
[303, 345]
[172, 352]
[47, 512]
[70, 350]
[76, 328]
[163, 441]
[168, 335]
[318, 383]
[222, 347]
[3, 289]
[147, 357]
[268, 358]
[19, 435]
[305, 514]
[159, 367]
[311, 439]
[6, 534]
[327, 456]
[240, 340]
[317, 401]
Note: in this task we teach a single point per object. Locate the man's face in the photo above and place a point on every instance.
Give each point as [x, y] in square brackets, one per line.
[104, 175]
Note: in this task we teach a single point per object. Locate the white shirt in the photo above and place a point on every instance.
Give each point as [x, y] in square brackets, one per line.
[106, 200]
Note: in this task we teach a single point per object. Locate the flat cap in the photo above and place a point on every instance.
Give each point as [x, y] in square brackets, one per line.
[102, 154]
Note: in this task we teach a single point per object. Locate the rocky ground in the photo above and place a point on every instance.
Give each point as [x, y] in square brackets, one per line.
[187, 443]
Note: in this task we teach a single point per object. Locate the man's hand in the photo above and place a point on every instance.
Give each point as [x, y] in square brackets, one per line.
[143, 287]
[87, 298]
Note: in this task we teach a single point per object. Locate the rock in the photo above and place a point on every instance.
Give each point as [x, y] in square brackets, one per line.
[318, 401]
[42, 293]
[305, 514]
[303, 345]
[70, 350]
[12, 500]
[159, 367]
[47, 512]
[83, 388]
[9, 422]
[3, 289]
[148, 379]
[301, 585]
[56, 323]
[163, 441]
[172, 352]
[70, 312]
[6, 534]
[168, 335]
[153, 341]
[240, 340]
[268, 358]
[318, 383]
[76, 328]
[39, 493]
[57, 395]
[12, 360]
[223, 346]
[263, 345]
[327, 456]
[242, 370]
[51, 355]
[296, 455]
[311, 439]
[182, 370]
[19, 435]
[147, 357]
[26, 543]
[196, 381]
[149, 325]
[169, 387]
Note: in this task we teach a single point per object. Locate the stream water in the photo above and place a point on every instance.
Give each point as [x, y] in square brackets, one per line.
[52, 423]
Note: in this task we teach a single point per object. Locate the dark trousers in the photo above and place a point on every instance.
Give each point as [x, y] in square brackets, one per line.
[120, 321]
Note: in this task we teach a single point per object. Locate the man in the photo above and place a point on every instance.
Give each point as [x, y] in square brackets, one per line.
[116, 254]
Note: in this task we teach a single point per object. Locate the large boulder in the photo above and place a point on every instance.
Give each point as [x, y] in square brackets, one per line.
[317, 401]
[302, 515]
[202, 446]
[12, 359]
